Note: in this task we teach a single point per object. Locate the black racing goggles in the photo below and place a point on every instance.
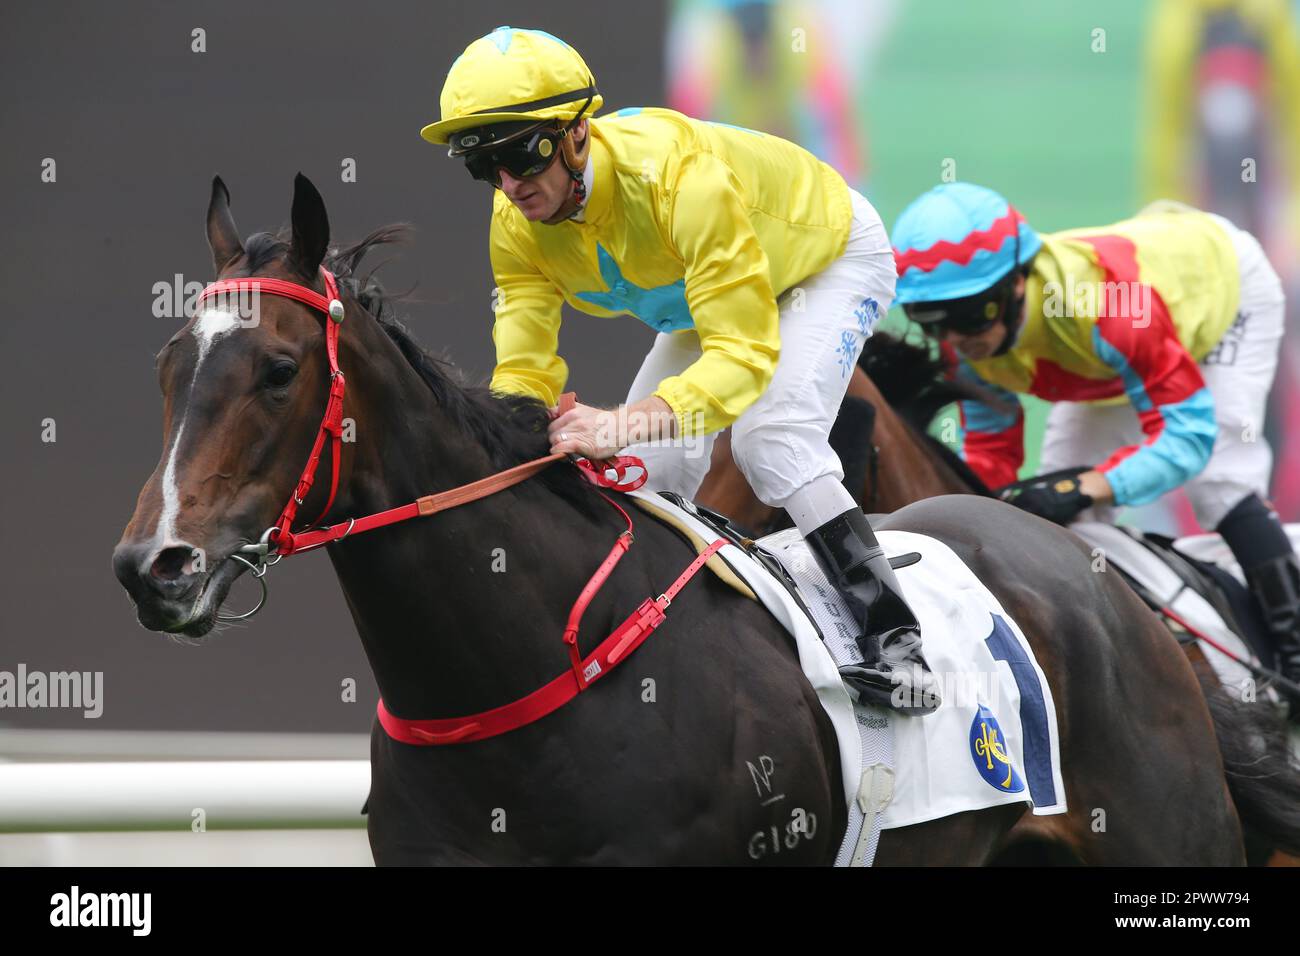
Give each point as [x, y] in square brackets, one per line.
[521, 153]
[972, 315]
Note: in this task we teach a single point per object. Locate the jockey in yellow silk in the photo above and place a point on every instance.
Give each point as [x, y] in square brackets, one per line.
[759, 269]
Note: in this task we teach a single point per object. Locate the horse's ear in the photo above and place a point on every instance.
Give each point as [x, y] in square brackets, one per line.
[223, 237]
[311, 228]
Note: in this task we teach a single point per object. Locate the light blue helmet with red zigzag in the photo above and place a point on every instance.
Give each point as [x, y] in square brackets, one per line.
[957, 240]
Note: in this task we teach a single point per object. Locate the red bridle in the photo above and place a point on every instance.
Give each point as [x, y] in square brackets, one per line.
[331, 425]
[280, 536]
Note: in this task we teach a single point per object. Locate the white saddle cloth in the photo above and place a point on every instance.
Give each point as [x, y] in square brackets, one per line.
[992, 741]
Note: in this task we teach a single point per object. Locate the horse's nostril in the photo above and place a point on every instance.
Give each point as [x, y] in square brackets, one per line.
[172, 564]
[147, 575]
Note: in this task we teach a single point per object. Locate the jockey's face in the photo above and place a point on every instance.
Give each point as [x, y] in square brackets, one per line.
[980, 345]
[983, 344]
[540, 197]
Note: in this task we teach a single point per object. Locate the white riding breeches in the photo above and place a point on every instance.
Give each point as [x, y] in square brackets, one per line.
[1238, 373]
[781, 442]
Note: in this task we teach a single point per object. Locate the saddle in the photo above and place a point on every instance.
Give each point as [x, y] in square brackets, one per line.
[1204, 594]
[1225, 593]
[722, 526]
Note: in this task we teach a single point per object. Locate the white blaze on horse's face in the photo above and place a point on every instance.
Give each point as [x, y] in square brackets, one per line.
[210, 325]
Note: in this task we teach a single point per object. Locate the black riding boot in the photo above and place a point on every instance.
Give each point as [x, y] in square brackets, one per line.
[1260, 544]
[1276, 586]
[893, 673]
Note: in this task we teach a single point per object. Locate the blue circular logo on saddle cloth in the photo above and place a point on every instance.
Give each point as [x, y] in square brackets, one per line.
[988, 748]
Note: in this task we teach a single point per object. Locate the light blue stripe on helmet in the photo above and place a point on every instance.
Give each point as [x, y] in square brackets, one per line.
[954, 213]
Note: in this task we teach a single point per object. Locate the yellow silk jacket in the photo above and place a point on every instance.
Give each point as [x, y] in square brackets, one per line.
[694, 228]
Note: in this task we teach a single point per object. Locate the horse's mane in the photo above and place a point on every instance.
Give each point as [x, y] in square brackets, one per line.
[913, 380]
[511, 428]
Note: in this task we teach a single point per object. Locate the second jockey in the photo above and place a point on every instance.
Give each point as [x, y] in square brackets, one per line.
[1156, 338]
[760, 270]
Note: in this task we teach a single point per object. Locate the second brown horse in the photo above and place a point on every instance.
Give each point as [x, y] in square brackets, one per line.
[904, 464]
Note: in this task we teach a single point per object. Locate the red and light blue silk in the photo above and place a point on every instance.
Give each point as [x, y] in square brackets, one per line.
[1151, 367]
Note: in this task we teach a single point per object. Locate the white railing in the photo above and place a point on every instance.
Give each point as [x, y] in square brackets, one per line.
[53, 781]
[182, 795]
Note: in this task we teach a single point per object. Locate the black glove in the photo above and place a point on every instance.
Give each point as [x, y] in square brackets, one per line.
[1055, 496]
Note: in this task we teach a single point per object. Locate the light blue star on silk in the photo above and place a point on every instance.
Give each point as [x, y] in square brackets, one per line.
[502, 36]
[662, 307]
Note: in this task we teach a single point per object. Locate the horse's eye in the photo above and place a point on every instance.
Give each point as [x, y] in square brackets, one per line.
[281, 375]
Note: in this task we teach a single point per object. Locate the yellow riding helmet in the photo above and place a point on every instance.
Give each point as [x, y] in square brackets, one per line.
[512, 75]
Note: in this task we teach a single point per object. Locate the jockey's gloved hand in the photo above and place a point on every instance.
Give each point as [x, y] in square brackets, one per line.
[1056, 496]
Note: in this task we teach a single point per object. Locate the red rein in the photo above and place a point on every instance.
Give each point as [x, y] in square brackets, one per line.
[582, 672]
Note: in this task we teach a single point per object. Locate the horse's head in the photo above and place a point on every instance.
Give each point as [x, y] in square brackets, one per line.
[244, 385]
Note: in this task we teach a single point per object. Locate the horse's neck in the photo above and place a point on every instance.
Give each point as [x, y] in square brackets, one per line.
[451, 608]
[908, 470]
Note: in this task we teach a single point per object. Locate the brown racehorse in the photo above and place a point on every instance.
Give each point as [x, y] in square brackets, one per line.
[909, 466]
[620, 774]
